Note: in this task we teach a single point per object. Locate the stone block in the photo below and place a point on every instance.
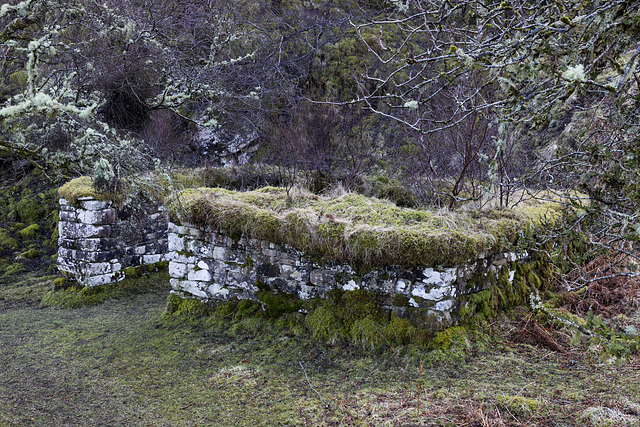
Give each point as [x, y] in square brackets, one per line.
[219, 253]
[445, 305]
[193, 287]
[322, 278]
[152, 258]
[441, 278]
[68, 243]
[185, 259]
[199, 275]
[174, 242]
[91, 204]
[72, 230]
[96, 217]
[433, 293]
[70, 216]
[351, 285]
[87, 256]
[102, 279]
[216, 291]
[177, 270]
[268, 270]
[98, 244]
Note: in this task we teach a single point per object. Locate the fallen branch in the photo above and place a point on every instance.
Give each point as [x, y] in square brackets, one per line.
[309, 382]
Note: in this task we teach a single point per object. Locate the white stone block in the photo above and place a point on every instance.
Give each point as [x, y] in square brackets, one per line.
[434, 294]
[98, 268]
[175, 243]
[175, 284]
[91, 204]
[96, 217]
[413, 302]
[173, 228]
[402, 286]
[177, 270]
[192, 287]
[308, 292]
[445, 305]
[92, 245]
[72, 230]
[200, 275]
[102, 279]
[152, 259]
[174, 256]
[440, 278]
[219, 253]
[350, 286]
[217, 290]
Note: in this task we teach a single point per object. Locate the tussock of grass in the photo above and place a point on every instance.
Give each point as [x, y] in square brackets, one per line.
[357, 229]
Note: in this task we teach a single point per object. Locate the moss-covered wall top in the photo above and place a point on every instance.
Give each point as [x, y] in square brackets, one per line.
[361, 231]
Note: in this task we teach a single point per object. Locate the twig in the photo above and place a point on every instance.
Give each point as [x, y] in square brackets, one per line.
[419, 374]
[309, 382]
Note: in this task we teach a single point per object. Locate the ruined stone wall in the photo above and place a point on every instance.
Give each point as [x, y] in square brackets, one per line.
[214, 267]
[97, 243]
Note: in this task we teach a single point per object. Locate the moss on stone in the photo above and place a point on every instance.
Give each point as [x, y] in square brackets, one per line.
[179, 306]
[30, 231]
[362, 231]
[7, 242]
[30, 253]
[132, 272]
[83, 187]
[275, 305]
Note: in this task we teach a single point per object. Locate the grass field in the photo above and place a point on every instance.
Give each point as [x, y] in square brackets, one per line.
[120, 364]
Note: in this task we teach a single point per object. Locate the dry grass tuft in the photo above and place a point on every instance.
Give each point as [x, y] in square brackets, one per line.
[531, 332]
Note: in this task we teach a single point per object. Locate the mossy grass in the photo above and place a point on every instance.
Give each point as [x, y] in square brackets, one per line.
[343, 318]
[121, 362]
[362, 231]
[67, 294]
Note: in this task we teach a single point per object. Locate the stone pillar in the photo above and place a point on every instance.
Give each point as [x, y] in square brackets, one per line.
[87, 250]
[95, 247]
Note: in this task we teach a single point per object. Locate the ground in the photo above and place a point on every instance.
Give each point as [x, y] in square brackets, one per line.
[119, 363]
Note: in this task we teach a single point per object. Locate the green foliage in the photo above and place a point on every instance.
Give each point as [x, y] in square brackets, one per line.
[28, 220]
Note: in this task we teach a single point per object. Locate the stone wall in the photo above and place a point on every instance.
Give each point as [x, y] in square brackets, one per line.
[214, 267]
[97, 243]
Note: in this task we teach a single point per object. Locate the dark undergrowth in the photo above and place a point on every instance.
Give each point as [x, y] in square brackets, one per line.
[123, 363]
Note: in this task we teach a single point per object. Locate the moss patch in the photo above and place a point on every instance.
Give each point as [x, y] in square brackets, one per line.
[81, 187]
[67, 295]
[503, 294]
